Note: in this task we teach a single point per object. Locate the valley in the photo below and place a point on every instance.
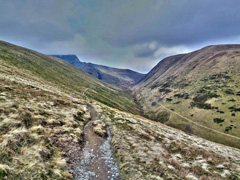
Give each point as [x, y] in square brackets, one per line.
[43, 112]
[58, 122]
[119, 90]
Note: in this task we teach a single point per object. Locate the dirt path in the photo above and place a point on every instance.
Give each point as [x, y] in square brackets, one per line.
[97, 162]
[83, 93]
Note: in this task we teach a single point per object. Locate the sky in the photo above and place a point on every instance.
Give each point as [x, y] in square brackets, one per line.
[133, 34]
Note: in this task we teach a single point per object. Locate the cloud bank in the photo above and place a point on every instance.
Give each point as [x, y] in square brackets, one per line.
[126, 34]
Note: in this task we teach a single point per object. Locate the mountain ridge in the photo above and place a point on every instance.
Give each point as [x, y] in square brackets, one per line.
[123, 78]
[176, 57]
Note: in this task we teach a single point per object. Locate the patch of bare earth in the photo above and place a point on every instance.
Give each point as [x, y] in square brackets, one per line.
[97, 159]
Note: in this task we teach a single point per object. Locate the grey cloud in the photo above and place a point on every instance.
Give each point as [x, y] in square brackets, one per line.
[145, 50]
[35, 22]
[39, 31]
[116, 33]
[183, 22]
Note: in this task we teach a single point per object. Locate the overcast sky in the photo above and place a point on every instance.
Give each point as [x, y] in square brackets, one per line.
[133, 34]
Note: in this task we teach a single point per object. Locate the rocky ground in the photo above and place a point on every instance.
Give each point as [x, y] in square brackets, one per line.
[150, 150]
[97, 158]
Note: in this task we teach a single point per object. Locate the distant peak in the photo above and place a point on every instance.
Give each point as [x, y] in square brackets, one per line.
[67, 57]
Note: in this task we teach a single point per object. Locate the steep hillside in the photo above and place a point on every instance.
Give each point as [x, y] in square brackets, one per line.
[41, 127]
[43, 111]
[123, 78]
[197, 92]
[64, 75]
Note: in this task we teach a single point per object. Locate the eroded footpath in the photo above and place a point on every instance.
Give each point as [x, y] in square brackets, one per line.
[97, 159]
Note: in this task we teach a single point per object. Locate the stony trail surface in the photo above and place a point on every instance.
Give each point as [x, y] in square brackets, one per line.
[98, 161]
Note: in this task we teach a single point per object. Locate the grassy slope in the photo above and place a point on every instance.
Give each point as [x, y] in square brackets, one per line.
[201, 86]
[40, 128]
[147, 149]
[43, 112]
[64, 75]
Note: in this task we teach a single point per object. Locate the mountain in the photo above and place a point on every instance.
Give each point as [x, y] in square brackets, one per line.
[49, 117]
[197, 92]
[123, 78]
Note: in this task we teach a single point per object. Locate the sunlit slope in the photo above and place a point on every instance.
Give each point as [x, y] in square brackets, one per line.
[196, 90]
[64, 75]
